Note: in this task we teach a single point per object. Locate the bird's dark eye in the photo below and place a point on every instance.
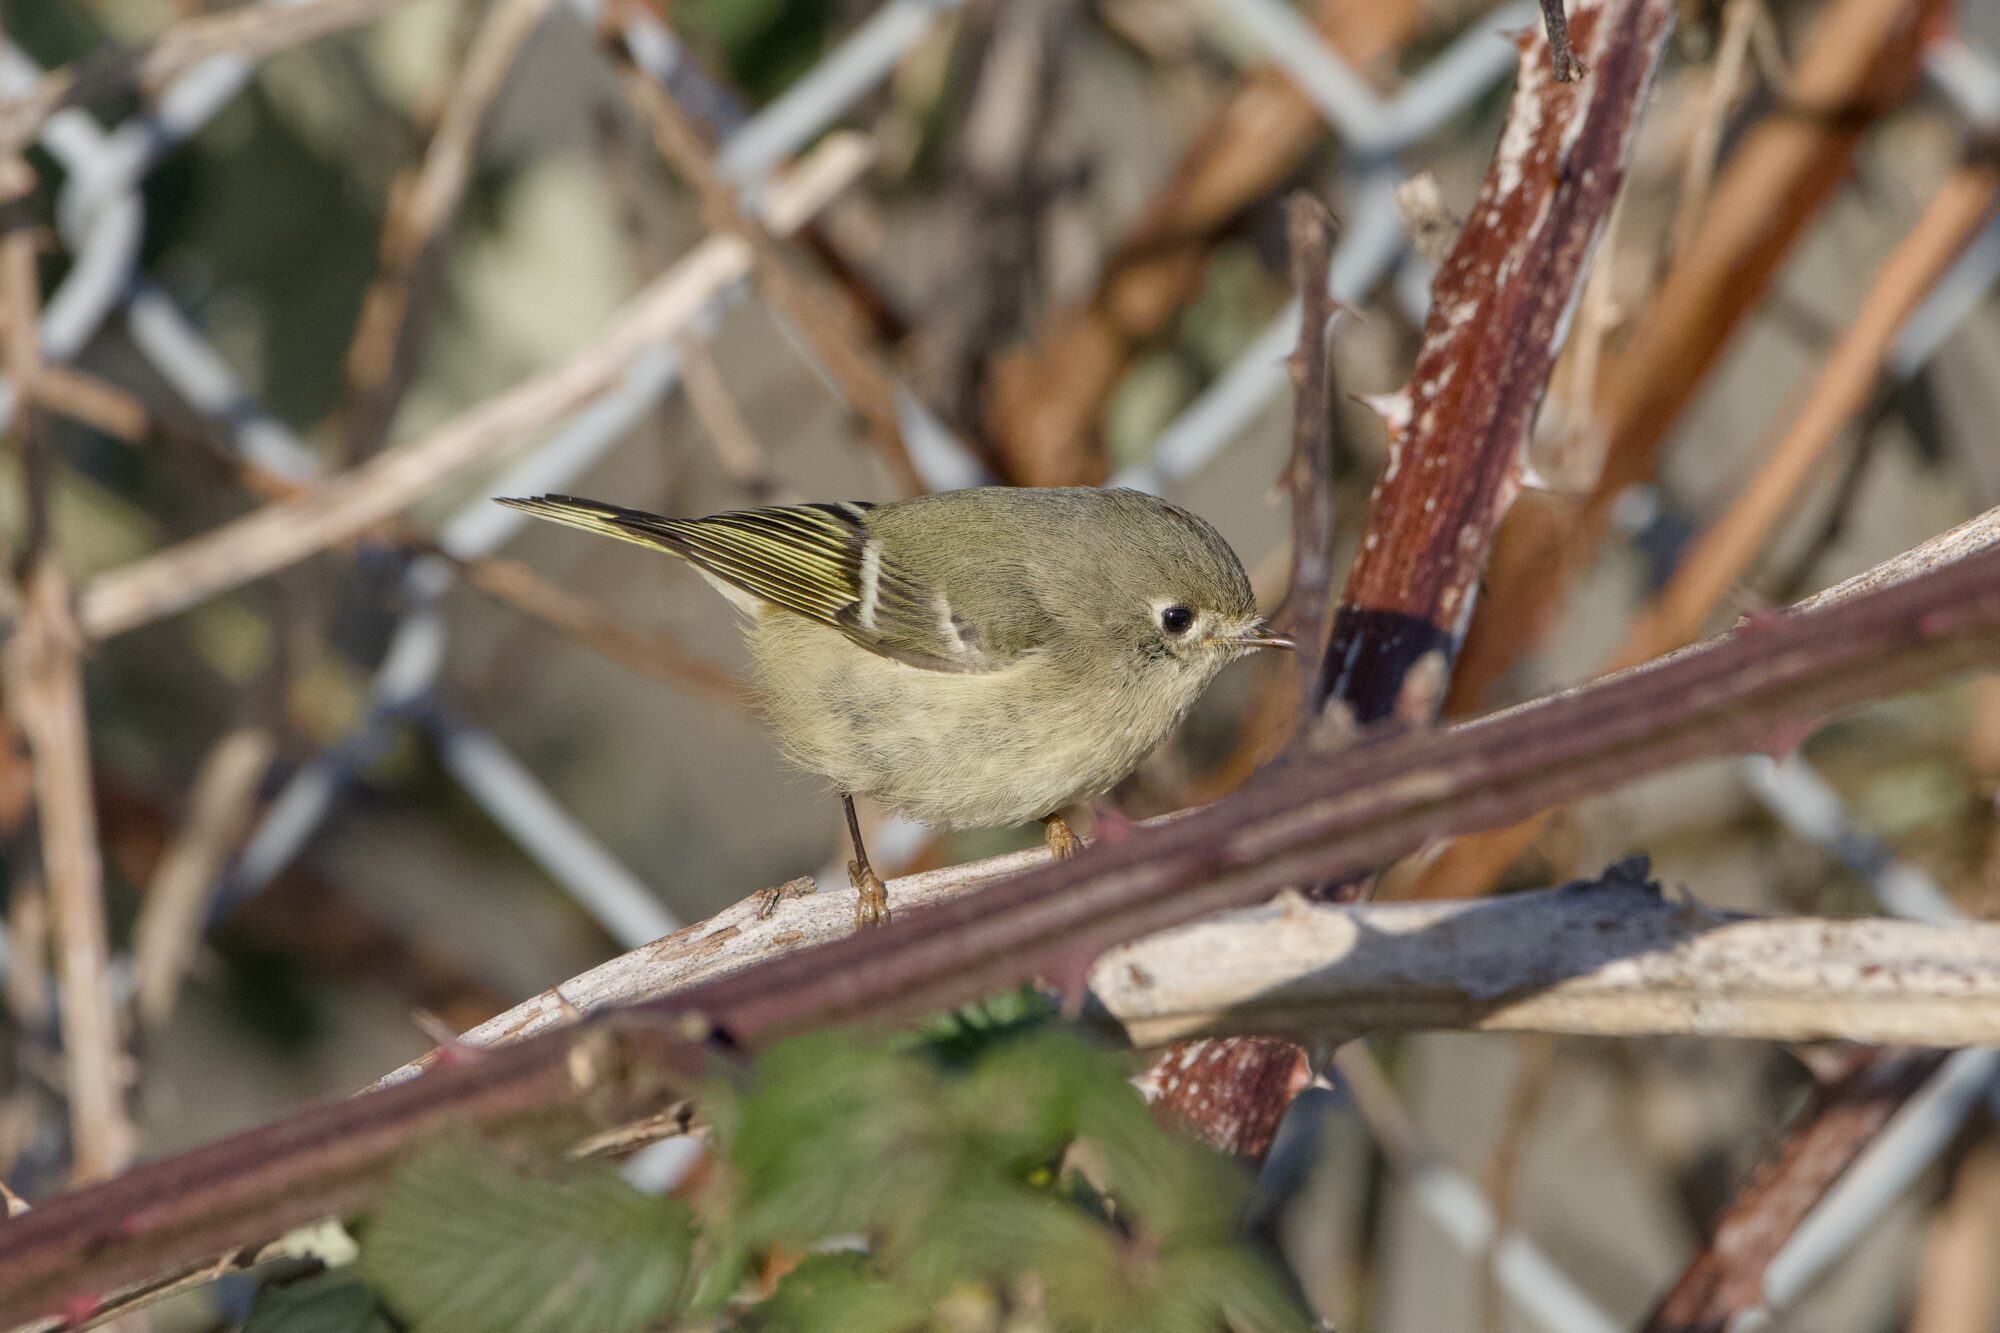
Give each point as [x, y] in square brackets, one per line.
[1176, 619]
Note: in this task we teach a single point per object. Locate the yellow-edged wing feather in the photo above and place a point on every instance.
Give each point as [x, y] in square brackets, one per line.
[814, 560]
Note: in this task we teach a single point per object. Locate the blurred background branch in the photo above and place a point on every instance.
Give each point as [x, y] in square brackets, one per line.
[291, 288]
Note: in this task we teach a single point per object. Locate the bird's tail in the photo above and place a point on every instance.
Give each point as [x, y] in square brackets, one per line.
[815, 560]
[627, 525]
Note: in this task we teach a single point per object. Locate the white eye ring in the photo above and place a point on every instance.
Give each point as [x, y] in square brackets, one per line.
[1176, 619]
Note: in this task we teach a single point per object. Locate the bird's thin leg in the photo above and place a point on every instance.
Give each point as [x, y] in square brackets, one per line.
[871, 906]
[1062, 838]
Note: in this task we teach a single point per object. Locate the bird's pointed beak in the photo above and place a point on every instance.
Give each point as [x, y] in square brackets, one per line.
[1259, 635]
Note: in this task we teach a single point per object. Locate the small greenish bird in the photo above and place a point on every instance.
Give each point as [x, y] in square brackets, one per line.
[973, 658]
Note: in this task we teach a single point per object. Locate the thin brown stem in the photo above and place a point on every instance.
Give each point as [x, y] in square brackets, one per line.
[42, 667]
[656, 654]
[1309, 474]
[381, 357]
[252, 32]
[812, 308]
[175, 908]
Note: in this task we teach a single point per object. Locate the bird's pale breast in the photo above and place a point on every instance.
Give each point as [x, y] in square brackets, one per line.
[958, 750]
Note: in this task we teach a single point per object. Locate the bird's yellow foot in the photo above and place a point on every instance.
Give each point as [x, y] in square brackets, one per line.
[1063, 841]
[871, 905]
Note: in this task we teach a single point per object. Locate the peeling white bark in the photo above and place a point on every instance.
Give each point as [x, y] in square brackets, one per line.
[1615, 960]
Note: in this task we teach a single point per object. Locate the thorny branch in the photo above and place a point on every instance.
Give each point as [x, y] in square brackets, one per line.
[340, 1156]
[1458, 433]
[1845, 385]
[1859, 54]
[655, 654]
[1328, 817]
[1458, 437]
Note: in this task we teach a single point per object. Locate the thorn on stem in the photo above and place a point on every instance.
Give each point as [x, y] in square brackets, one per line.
[1067, 974]
[1110, 826]
[450, 1049]
[765, 901]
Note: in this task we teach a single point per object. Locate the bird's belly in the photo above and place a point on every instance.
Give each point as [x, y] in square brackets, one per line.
[976, 750]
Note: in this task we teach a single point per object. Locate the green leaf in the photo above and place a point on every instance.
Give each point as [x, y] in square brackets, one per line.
[808, 1144]
[960, 1037]
[329, 1303]
[468, 1244]
[840, 1293]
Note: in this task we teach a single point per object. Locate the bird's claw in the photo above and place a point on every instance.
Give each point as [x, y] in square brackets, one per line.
[871, 904]
[1062, 839]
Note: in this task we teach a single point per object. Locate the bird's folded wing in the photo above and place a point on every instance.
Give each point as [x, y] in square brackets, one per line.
[814, 560]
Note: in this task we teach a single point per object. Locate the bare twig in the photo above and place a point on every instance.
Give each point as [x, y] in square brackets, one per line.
[1843, 388]
[1562, 60]
[1959, 1291]
[1045, 400]
[1610, 959]
[43, 672]
[69, 392]
[347, 505]
[1728, 1273]
[656, 654]
[1309, 475]
[1739, 20]
[28, 953]
[252, 32]
[736, 445]
[1534, 1073]
[1598, 960]
[822, 319]
[183, 884]
[1327, 817]
[421, 207]
[42, 666]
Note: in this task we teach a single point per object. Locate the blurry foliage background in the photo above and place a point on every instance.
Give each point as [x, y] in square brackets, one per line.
[264, 229]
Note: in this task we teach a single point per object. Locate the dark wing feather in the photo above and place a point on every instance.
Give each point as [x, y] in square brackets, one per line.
[815, 560]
